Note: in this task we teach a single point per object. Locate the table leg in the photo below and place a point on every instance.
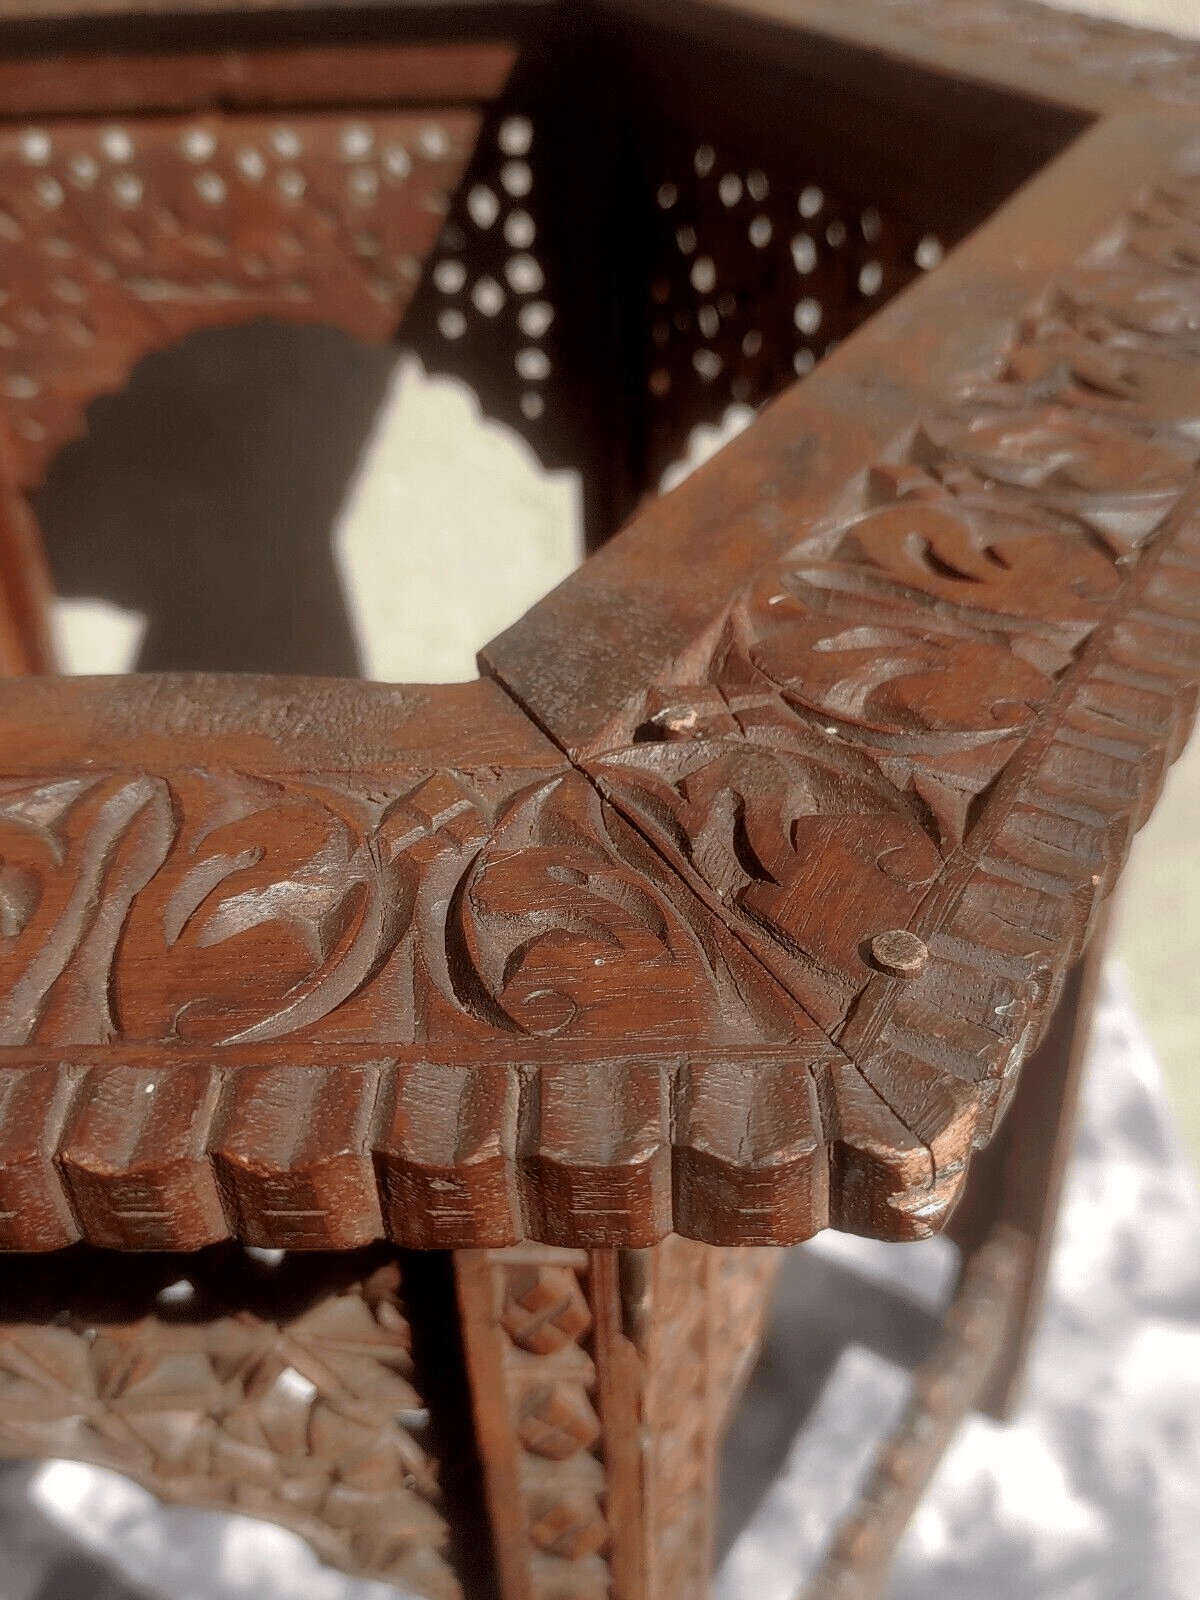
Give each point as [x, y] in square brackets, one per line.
[1005, 1228]
[601, 1382]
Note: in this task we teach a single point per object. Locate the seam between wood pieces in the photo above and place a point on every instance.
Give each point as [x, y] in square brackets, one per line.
[417, 890]
[1047, 840]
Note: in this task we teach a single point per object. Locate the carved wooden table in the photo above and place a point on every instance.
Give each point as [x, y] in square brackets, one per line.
[526, 1016]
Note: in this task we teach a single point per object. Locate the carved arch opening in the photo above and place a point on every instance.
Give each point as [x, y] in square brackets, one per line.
[203, 497]
[122, 237]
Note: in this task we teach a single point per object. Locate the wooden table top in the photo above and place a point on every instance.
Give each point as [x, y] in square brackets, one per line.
[733, 897]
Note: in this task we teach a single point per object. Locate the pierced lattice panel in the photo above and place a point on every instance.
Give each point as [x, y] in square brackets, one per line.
[280, 1388]
[757, 269]
[490, 309]
[116, 239]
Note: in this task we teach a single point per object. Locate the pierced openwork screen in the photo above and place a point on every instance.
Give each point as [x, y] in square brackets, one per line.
[757, 268]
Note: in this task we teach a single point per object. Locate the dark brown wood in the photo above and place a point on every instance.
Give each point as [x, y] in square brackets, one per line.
[424, 1057]
[790, 727]
[195, 82]
[732, 906]
[25, 585]
[286, 1394]
[1005, 1228]
[717, 808]
[601, 1382]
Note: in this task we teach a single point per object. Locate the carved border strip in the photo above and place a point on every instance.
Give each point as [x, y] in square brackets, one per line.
[578, 1139]
[529, 1328]
[751, 764]
[1063, 56]
[601, 1383]
[174, 1157]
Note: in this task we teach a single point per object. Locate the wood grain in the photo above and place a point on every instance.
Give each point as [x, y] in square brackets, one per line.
[909, 659]
[912, 690]
[188, 1380]
[732, 906]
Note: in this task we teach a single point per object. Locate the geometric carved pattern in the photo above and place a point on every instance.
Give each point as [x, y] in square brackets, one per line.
[494, 312]
[755, 273]
[308, 964]
[464, 991]
[601, 1384]
[528, 1328]
[309, 1419]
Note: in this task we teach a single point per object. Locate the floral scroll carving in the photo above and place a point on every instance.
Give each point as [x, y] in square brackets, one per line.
[875, 701]
[592, 1000]
[207, 908]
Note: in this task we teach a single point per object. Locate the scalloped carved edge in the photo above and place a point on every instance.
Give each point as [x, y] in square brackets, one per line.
[767, 1145]
[1025, 870]
[761, 1149]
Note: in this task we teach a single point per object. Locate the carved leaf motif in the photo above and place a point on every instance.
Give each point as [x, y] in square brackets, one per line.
[549, 924]
[1115, 482]
[900, 685]
[775, 831]
[311, 1421]
[1156, 313]
[76, 855]
[219, 908]
[271, 911]
[966, 557]
[1105, 360]
[870, 684]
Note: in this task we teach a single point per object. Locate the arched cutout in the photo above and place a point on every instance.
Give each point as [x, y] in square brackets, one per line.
[281, 498]
[204, 494]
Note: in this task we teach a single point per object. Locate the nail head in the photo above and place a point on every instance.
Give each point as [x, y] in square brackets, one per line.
[900, 953]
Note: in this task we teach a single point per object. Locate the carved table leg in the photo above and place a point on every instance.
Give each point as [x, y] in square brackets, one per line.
[1005, 1228]
[25, 585]
[601, 1381]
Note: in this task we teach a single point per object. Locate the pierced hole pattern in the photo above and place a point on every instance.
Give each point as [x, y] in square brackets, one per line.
[757, 271]
[490, 308]
[118, 238]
